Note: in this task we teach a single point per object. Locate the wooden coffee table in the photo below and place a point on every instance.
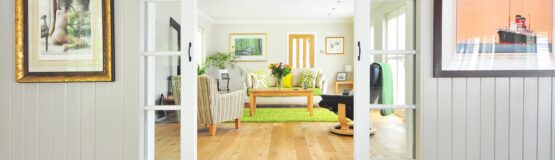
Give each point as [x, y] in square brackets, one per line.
[284, 92]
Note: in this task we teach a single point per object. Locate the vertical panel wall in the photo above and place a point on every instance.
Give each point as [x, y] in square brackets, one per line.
[480, 118]
[66, 121]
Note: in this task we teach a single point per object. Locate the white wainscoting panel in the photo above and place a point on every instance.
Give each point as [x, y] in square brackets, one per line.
[480, 118]
[69, 121]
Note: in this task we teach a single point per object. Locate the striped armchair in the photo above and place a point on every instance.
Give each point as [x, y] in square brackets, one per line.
[215, 107]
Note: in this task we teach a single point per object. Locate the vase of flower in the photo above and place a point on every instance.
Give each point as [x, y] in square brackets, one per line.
[279, 70]
[279, 82]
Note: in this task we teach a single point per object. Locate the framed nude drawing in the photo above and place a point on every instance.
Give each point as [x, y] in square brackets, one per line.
[64, 41]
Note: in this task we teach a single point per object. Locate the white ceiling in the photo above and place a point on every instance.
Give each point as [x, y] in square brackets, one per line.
[280, 10]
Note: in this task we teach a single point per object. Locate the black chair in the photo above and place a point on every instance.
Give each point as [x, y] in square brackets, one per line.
[342, 105]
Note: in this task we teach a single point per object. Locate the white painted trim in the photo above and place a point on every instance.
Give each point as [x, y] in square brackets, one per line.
[205, 16]
[308, 21]
[142, 150]
[421, 7]
[151, 132]
[362, 80]
[188, 118]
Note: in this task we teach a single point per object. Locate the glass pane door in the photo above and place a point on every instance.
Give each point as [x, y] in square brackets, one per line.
[167, 79]
[386, 70]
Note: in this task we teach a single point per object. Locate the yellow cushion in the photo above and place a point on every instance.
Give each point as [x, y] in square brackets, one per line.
[288, 81]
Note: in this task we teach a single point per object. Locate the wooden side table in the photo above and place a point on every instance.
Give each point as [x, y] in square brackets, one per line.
[343, 84]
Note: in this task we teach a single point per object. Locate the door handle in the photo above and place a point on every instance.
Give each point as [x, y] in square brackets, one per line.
[359, 51]
[190, 58]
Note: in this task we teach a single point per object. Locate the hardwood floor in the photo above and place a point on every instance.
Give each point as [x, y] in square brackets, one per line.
[288, 141]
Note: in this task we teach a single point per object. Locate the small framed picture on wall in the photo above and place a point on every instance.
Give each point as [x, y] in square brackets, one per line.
[341, 76]
[334, 45]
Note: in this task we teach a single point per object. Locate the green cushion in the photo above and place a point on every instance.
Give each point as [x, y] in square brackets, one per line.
[315, 91]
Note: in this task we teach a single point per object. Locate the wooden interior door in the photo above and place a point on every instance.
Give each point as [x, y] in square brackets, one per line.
[301, 50]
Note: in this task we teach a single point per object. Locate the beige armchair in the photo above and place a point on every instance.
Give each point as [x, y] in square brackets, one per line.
[215, 107]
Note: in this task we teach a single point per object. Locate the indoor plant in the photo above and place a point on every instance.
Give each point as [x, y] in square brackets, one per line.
[280, 70]
[221, 61]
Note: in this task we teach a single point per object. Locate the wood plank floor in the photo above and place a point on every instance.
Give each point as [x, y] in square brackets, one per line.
[287, 141]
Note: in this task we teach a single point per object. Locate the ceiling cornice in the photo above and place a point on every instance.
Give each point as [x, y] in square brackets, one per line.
[205, 16]
[336, 21]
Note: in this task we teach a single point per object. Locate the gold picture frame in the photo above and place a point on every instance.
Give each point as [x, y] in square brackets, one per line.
[255, 55]
[335, 45]
[80, 37]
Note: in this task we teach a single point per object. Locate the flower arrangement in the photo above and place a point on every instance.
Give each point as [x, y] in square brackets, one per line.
[280, 70]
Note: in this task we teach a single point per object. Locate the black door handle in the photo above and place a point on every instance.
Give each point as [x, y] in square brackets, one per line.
[359, 51]
[190, 58]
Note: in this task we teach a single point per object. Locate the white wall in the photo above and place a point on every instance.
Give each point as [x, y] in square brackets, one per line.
[277, 45]
[480, 118]
[205, 22]
[68, 121]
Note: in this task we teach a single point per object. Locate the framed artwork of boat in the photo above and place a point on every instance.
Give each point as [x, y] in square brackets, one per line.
[493, 38]
[64, 41]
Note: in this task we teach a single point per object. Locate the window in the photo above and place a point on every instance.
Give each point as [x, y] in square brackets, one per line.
[395, 39]
[200, 45]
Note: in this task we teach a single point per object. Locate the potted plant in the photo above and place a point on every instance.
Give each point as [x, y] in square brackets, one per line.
[201, 69]
[221, 61]
[280, 70]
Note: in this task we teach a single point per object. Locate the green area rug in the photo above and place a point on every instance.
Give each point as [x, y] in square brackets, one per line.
[263, 115]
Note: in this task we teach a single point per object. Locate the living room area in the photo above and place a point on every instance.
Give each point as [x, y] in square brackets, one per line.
[264, 67]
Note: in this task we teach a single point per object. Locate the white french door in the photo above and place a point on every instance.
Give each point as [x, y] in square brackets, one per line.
[168, 77]
[384, 34]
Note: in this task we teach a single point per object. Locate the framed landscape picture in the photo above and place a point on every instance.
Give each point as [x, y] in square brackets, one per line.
[493, 38]
[334, 45]
[249, 46]
[64, 41]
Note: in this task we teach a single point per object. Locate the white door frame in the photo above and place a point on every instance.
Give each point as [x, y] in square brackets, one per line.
[188, 106]
[189, 81]
[361, 137]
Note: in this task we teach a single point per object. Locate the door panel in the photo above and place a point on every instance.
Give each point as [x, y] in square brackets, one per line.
[189, 80]
[168, 79]
[301, 50]
[362, 79]
[384, 34]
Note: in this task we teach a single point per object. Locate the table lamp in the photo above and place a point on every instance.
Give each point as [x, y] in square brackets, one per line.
[349, 69]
